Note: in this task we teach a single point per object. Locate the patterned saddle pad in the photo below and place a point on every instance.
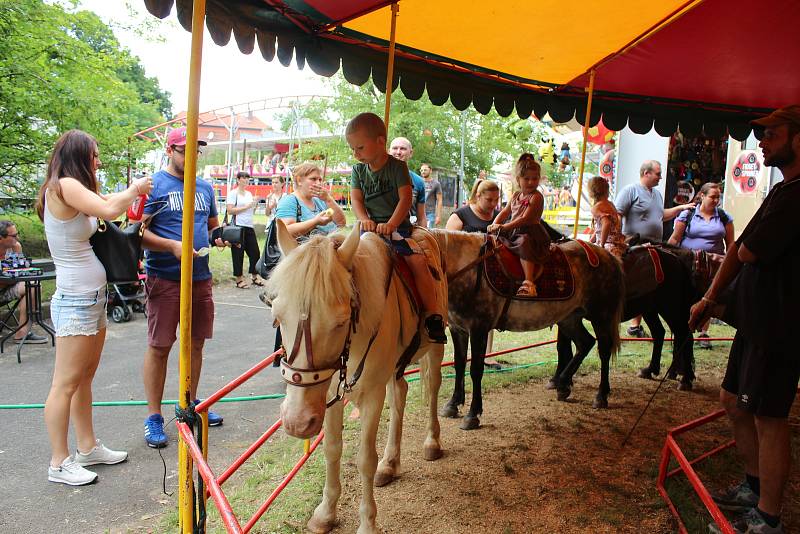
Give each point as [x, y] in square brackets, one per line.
[503, 272]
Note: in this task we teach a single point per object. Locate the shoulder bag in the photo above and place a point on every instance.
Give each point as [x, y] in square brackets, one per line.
[230, 231]
[272, 253]
[120, 249]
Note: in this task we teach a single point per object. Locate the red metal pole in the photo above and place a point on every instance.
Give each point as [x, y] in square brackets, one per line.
[224, 507]
[274, 495]
[249, 452]
[236, 382]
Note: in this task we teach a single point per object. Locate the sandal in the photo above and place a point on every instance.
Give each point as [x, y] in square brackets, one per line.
[258, 281]
[527, 289]
[241, 284]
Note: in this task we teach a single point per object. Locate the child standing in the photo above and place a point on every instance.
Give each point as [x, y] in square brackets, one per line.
[381, 197]
[524, 235]
[606, 223]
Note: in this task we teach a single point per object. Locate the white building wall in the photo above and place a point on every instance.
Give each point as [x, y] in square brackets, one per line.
[633, 150]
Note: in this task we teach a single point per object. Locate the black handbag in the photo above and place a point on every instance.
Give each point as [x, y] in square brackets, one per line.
[271, 254]
[118, 249]
[230, 231]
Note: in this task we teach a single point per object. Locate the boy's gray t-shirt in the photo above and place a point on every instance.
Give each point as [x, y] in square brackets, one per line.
[642, 212]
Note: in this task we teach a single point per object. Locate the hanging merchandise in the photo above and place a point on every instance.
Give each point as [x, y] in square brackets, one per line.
[685, 192]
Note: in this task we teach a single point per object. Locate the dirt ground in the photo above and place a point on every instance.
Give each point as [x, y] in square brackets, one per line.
[539, 465]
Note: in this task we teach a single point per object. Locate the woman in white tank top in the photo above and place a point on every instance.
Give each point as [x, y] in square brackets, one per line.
[69, 204]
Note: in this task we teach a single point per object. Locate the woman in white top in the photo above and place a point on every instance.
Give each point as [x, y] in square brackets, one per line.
[241, 204]
[69, 204]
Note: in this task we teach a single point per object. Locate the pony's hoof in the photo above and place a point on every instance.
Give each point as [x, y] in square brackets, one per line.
[320, 526]
[470, 423]
[383, 478]
[685, 386]
[551, 384]
[450, 411]
[645, 373]
[600, 403]
[430, 454]
[563, 394]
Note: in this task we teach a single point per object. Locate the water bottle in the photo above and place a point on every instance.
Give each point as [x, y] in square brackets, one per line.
[14, 260]
[136, 210]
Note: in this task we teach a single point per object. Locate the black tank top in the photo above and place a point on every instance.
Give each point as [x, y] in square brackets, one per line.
[473, 223]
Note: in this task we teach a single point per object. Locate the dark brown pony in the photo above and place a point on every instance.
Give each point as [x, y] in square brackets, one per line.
[475, 308]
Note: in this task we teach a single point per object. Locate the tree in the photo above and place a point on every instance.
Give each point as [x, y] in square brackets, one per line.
[61, 69]
[434, 131]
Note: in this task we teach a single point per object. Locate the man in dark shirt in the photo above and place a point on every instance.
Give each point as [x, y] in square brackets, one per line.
[763, 370]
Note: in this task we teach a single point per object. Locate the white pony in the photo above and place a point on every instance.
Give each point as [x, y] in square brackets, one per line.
[346, 319]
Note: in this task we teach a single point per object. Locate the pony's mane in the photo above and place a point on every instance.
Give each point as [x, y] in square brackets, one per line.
[313, 277]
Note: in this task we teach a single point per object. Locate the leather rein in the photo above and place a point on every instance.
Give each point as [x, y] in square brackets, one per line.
[311, 375]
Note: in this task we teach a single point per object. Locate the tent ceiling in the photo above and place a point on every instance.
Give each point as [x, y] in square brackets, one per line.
[698, 65]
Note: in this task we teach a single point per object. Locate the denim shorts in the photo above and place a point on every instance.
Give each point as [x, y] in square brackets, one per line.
[79, 315]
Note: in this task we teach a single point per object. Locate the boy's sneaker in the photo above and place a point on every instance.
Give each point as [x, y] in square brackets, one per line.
[750, 522]
[434, 324]
[736, 498]
[636, 331]
[214, 419]
[70, 473]
[154, 431]
[100, 454]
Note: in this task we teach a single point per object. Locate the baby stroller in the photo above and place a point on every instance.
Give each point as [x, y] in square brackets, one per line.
[125, 299]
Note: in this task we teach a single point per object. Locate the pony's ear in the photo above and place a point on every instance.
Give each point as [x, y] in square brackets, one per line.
[348, 249]
[285, 240]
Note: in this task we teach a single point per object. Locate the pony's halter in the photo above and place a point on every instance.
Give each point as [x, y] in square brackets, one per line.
[312, 376]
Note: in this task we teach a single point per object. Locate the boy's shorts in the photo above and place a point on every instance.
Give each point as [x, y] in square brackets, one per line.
[401, 245]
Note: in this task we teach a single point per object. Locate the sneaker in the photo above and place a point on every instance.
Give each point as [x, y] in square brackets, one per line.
[703, 342]
[434, 324]
[71, 473]
[737, 498]
[154, 431]
[31, 339]
[214, 419]
[750, 522]
[636, 331]
[100, 454]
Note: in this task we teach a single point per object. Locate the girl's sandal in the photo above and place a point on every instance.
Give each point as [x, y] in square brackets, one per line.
[258, 281]
[241, 284]
[527, 289]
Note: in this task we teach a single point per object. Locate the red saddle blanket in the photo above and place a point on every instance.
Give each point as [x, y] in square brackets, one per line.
[407, 277]
[503, 272]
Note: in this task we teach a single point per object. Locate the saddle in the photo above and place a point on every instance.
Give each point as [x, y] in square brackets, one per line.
[503, 273]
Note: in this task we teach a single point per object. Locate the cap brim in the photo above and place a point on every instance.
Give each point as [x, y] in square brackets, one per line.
[769, 121]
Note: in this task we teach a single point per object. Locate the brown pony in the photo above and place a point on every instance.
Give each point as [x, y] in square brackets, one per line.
[475, 308]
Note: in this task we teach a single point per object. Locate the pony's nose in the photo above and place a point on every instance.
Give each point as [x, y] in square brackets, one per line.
[301, 424]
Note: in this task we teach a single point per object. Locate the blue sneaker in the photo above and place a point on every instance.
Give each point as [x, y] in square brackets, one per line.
[154, 431]
[214, 419]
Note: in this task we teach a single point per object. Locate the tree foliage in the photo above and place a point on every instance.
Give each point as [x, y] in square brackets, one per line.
[434, 131]
[62, 69]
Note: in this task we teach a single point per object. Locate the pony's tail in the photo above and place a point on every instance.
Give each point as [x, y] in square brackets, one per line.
[615, 341]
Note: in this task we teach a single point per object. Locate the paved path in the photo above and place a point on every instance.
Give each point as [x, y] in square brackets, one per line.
[129, 493]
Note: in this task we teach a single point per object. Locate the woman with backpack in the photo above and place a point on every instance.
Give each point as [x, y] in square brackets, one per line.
[705, 227]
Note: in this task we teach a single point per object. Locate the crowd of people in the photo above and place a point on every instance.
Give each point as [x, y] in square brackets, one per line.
[762, 374]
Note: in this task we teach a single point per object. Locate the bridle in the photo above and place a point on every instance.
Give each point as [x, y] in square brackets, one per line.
[311, 375]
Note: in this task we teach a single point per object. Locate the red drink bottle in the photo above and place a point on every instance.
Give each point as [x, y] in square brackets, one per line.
[136, 210]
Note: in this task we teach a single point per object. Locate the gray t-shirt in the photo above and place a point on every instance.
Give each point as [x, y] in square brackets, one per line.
[432, 190]
[642, 212]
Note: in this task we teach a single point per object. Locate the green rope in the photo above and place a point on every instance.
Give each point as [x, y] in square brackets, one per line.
[143, 403]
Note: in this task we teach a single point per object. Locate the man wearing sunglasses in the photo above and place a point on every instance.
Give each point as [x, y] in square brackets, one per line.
[162, 242]
[11, 291]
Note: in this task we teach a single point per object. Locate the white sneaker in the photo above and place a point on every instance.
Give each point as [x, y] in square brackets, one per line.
[100, 455]
[70, 473]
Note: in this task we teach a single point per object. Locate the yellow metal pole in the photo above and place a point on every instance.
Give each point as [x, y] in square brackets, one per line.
[306, 446]
[390, 68]
[187, 247]
[583, 152]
